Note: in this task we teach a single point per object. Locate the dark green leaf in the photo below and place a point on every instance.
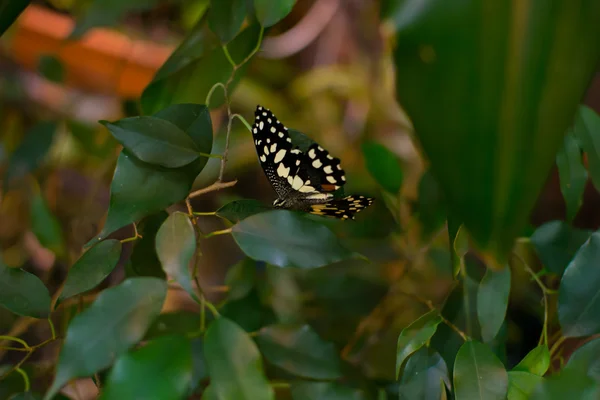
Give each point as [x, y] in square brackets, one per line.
[270, 12]
[286, 239]
[521, 384]
[192, 74]
[107, 13]
[478, 374]
[572, 174]
[45, 226]
[174, 323]
[579, 292]
[325, 391]
[300, 351]
[383, 165]
[567, 384]
[117, 320]
[238, 210]
[225, 18]
[234, 363]
[586, 359]
[23, 293]
[587, 130]
[167, 361]
[414, 336]
[249, 312]
[91, 268]
[175, 247]
[422, 375]
[492, 301]
[431, 206]
[51, 68]
[480, 99]
[94, 141]
[155, 141]
[30, 153]
[25, 396]
[139, 189]
[9, 11]
[537, 361]
[144, 261]
[240, 279]
[556, 243]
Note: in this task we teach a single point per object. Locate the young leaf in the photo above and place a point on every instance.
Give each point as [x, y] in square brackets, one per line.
[383, 165]
[537, 361]
[325, 391]
[300, 351]
[270, 12]
[168, 357]
[175, 247]
[414, 336]
[556, 242]
[144, 261]
[492, 301]
[566, 384]
[286, 239]
[45, 226]
[238, 210]
[572, 174]
[23, 293]
[153, 140]
[422, 375]
[586, 359]
[475, 100]
[478, 374]
[118, 319]
[579, 292]
[225, 18]
[587, 130]
[521, 384]
[91, 268]
[234, 363]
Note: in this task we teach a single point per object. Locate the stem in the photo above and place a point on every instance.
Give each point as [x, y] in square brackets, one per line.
[135, 236]
[243, 120]
[25, 378]
[229, 58]
[210, 155]
[214, 187]
[16, 339]
[52, 328]
[204, 213]
[215, 233]
[556, 345]
[211, 91]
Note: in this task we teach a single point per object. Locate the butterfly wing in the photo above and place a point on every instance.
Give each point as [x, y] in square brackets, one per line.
[326, 171]
[344, 208]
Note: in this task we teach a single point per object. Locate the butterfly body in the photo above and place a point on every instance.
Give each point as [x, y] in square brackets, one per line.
[303, 181]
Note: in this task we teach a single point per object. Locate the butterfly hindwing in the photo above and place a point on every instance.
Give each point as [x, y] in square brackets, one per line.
[343, 208]
[326, 170]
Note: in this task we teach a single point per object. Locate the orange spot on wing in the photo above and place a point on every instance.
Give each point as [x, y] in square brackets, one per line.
[328, 188]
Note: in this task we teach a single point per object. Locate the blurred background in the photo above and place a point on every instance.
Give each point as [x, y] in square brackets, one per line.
[325, 70]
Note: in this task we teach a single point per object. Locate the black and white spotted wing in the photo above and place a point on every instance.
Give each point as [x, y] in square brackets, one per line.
[301, 180]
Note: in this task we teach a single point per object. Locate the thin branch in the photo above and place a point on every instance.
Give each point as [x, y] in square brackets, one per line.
[214, 187]
[25, 378]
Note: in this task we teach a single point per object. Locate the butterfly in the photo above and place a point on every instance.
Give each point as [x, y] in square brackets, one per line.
[303, 181]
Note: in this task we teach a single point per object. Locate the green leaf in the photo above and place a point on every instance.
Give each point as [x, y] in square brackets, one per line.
[238, 210]
[586, 359]
[234, 363]
[521, 384]
[10, 11]
[225, 18]
[167, 357]
[383, 165]
[30, 153]
[189, 76]
[537, 361]
[480, 99]
[91, 268]
[107, 13]
[492, 301]
[587, 130]
[249, 312]
[25, 396]
[45, 226]
[325, 391]
[23, 293]
[572, 174]
[556, 243]
[286, 239]
[478, 374]
[422, 375]
[300, 351]
[139, 189]
[566, 384]
[116, 320]
[240, 279]
[144, 261]
[51, 68]
[175, 247]
[579, 292]
[415, 336]
[174, 323]
[270, 12]
[154, 140]
[431, 206]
